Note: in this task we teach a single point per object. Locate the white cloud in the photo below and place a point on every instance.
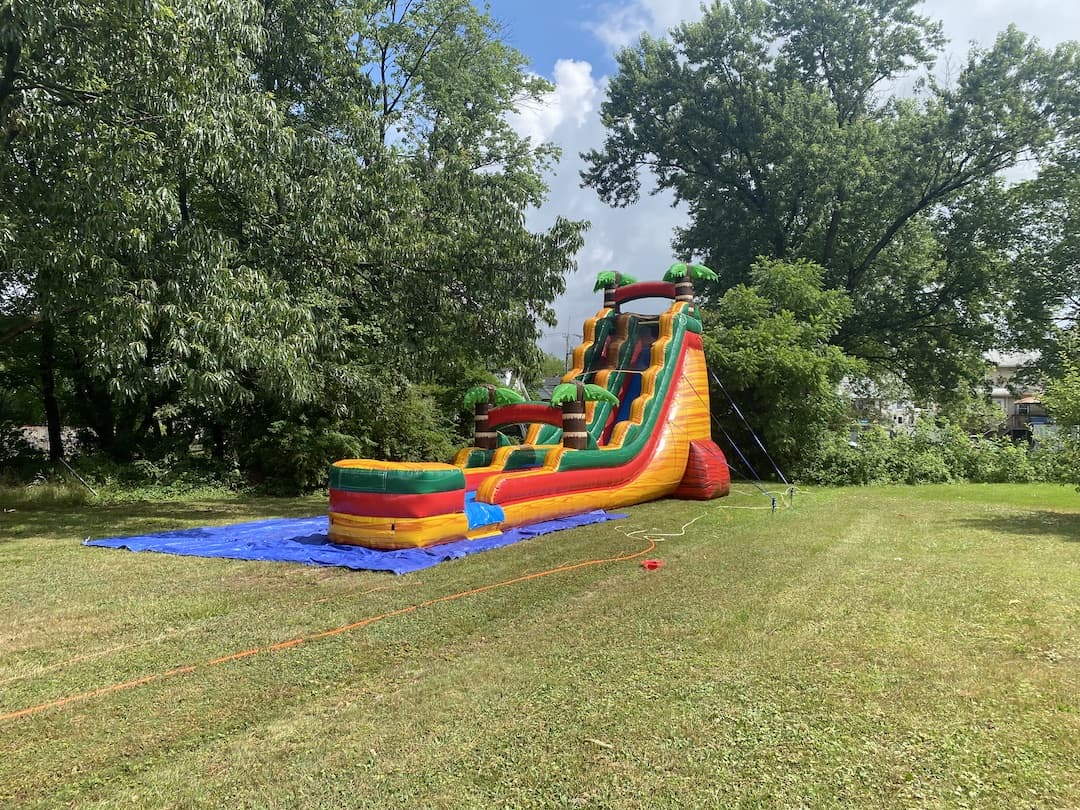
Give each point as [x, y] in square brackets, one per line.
[634, 240]
[980, 21]
[576, 96]
[622, 25]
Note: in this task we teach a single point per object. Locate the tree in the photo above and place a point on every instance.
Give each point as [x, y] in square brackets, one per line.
[223, 219]
[552, 366]
[1063, 400]
[115, 142]
[1063, 391]
[773, 121]
[444, 82]
[769, 344]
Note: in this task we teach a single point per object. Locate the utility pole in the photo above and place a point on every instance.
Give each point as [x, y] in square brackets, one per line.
[568, 351]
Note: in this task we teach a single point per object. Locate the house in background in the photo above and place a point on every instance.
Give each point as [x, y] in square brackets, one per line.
[903, 415]
[1000, 379]
[547, 386]
[1023, 416]
[873, 406]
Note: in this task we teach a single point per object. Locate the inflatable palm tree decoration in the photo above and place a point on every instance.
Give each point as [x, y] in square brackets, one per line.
[609, 281]
[571, 397]
[482, 398]
[682, 275]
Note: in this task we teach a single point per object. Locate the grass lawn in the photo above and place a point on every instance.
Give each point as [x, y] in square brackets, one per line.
[868, 647]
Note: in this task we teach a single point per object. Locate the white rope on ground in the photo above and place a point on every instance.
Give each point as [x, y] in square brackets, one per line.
[657, 536]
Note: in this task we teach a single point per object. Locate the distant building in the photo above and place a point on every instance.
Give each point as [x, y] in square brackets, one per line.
[903, 415]
[874, 406]
[1023, 416]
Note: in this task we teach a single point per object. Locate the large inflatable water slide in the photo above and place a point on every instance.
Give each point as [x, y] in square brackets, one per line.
[629, 424]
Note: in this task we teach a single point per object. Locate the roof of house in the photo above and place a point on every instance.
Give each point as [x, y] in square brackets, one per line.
[547, 387]
[1010, 360]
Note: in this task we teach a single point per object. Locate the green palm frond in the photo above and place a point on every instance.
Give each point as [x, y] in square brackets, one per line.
[475, 396]
[605, 280]
[597, 393]
[506, 396]
[567, 392]
[481, 393]
[681, 270]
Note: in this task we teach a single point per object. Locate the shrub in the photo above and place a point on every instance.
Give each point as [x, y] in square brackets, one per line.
[935, 453]
[294, 455]
[18, 458]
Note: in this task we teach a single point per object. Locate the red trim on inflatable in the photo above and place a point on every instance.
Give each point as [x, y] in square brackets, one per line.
[473, 480]
[644, 289]
[707, 475]
[693, 340]
[512, 490]
[526, 413]
[395, 504]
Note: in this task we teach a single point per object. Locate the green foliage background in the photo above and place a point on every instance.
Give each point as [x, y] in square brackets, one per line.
[249, 237]
[276, 231]
[781, 125]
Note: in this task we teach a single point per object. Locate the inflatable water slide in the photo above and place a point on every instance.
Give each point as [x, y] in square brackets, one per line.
[630, 424]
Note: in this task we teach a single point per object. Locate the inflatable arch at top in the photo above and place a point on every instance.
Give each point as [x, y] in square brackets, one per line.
[630, 424]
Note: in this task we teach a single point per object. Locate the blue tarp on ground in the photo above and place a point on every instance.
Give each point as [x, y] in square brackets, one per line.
[304, 540]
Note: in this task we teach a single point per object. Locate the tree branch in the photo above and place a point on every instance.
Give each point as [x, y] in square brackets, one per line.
[7, 80]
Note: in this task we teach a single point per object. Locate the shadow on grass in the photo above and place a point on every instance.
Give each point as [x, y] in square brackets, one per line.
[1063, 526]
[65, 522]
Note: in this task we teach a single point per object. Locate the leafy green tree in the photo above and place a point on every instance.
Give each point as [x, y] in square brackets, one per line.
[115, 140]
[1046, 243]
[552, 366]
[774, 121]
[223, 219]
[769, 343]
[444, 82]
[1063, 400]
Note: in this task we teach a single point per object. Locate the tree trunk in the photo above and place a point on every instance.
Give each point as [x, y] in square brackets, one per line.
[47, 367]
[217, 438]
[485, 438]
[574, 436]
[95, 406]
[684, 289]
[609, 293]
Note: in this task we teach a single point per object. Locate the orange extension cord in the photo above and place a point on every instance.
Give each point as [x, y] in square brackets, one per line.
[283, 645]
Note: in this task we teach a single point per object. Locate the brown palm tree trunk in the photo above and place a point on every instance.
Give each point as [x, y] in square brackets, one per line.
[609, 293]
[484, 438]
[684, 289]
[575, 437]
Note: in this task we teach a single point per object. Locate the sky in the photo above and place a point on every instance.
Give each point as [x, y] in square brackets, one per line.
[572, 44]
